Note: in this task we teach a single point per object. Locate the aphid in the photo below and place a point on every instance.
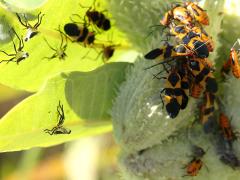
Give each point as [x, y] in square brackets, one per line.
[197, 12]
[107, 52]
[32, 30]
[59, 129]
[229, 158]
[226, 128]
[194, 167]
[79, 33]
[198, 152]
[232, 63]
[97, 18]
[19, 54]
[59, 52]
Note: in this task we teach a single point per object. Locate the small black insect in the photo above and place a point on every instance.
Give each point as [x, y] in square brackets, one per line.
[19, 54]
[31, 30]
[97, 18]
[59, 52]
[78, 33]
[107, 52]
[59, 129]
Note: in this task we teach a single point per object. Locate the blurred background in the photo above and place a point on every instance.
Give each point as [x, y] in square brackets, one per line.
[91, 158]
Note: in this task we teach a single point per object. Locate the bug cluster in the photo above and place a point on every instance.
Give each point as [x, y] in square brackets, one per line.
[191, 73]
[93, 23]
[188, 73]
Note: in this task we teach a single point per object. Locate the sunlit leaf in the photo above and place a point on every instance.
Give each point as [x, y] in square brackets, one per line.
[31, 73]
[87, 99]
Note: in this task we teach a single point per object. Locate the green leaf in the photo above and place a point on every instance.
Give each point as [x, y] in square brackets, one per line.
[87, 99]
[34, 70]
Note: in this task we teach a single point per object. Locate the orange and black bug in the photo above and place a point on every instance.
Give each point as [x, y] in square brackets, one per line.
[167, 51]
[226, 128]
[59, 129]
[178, 13]
[207, 109]
[196, 90]
[97, 18]
[197, 12]
[59, 52]
[185, 34]
[202, 74]
[175, 96]
[232, 63]
[194, 167]
[32, 30]
[19, 54]
[79, 33]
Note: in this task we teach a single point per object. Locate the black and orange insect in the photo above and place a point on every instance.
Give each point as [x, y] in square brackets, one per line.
[60, 51]
[197, 13]
[107, 52]
[19, 55]
[185, 34]
[79, 33]
[32, 30]
[226, 128]
[194, 167]
[178, 13]
[59, 129]
[232, 63]
[207, 109]
[97, 18]
[203, 77]
[167, 51]
[175, 97]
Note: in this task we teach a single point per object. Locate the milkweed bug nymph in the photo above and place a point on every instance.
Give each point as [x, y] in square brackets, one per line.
[79, 33]
[226, 128]
[178, 13]
[194, 167]
[232, 63]
[59, 129]
[32, 30]
[19, 54]
[59, 52]
[175, 96]
[197, 12]
[97, 18]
